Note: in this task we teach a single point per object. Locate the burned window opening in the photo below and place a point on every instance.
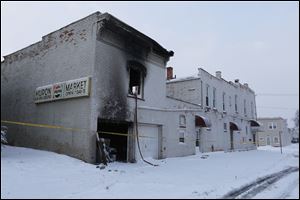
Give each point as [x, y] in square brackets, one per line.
[135, 80]
[137, 72]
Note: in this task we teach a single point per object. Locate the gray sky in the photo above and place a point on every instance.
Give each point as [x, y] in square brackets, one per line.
[256, 42]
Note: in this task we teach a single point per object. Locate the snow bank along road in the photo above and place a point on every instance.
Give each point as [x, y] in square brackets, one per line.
[262, 173]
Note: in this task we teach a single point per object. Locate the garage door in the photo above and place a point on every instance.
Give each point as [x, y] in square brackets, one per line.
[149, 141]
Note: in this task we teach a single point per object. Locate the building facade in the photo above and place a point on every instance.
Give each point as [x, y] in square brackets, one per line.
[273, 131]
[229, 107]
[80, 82]
[100, 78]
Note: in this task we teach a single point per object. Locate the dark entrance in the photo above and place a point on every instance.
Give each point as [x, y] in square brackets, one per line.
[254, 138]
[115, 134]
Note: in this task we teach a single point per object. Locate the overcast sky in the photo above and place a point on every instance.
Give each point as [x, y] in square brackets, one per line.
[256, 42]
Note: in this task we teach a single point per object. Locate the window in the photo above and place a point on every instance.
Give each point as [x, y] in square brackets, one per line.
[137, 73]
[276, 140]
[207, 95]
[182, 121]
[224, 101]
[272, 125]
[230, 101]
[235, 103]
[244, 141]
[252, 113]
[245, 110]
[246, 130]
[225, 127]
[214, 97]
[181, 136]
[201, 93]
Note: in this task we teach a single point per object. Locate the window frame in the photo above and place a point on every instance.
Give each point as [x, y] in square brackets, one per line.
[136, 66]
[235, 103]
[272, 125]
[181, 138]
[225, 127]
[223, 97]
[182, 121]
[207, 96]
[214, 97]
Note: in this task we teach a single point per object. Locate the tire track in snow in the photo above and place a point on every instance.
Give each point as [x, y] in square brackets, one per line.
[260, 184]
[291, 187]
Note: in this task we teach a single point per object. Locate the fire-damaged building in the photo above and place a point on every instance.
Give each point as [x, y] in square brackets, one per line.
[98, 84]
[83, 80]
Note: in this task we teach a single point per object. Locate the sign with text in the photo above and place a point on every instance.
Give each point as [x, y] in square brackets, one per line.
[63, 90]
[77, 88]
[43, 94]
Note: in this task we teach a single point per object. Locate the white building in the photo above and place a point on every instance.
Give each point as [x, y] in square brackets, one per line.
[228, 108]
[82, 78]
[79, 80]
[273, 130]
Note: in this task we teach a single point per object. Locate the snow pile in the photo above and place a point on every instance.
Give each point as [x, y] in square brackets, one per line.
[28, 173]
[3, 135]
[291, 149]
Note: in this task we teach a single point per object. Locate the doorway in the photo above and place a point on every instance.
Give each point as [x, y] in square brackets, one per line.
[115, 134]
[198, 137]
[201, 122]
[233, 127]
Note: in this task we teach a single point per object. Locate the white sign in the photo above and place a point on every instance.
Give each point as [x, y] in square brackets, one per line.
[63, 90]
[77, 88]
[43, 94]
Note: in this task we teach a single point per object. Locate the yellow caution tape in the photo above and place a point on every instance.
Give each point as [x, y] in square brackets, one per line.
[40, 125]
[78, 129]
[66, 128]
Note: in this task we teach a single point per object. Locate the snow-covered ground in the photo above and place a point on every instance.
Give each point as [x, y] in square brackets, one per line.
[28, 173]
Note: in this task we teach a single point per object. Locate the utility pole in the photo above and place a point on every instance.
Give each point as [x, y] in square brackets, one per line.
[280, 142]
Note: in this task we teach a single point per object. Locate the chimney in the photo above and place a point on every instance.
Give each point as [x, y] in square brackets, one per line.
[169, 73]
[236, 80]
[246, 85]
[199, 71]
[219, 74]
